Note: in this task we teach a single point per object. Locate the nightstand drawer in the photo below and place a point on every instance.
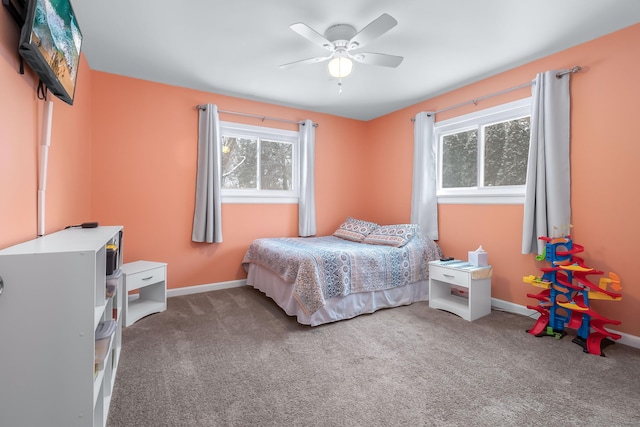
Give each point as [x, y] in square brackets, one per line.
[145, 278]
[455, 277]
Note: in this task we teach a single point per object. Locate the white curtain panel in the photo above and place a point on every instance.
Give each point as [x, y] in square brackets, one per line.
[207, 217]
[547, 206]
[307, 200]
[424, 203]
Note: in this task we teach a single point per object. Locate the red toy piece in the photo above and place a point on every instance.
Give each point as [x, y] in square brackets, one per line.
[541, 323]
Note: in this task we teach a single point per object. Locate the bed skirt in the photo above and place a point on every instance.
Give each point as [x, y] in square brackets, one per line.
[335, 308]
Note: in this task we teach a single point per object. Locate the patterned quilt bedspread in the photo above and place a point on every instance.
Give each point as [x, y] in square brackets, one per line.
[327, 266]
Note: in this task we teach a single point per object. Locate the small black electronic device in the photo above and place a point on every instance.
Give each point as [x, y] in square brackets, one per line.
[83, 225]
[446, 259]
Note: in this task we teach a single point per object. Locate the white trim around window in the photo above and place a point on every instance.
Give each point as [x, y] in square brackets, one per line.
[241, 196]
[484, 195]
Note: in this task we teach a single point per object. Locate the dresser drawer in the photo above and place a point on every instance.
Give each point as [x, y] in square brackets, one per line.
[448, 275]
[144, 278]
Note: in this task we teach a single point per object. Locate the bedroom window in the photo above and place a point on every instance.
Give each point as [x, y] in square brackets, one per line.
[259, 164]
[482, 156]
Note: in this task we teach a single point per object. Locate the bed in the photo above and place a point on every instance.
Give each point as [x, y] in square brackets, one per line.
[329, 278]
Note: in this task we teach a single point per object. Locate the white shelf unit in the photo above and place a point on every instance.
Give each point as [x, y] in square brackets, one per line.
[149, 279]
[445, 277]
[53, 300]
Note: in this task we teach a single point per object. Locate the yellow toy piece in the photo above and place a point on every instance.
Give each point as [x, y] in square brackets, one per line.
[614, 281]
[572, 306]
[536, 281]
[575, 267]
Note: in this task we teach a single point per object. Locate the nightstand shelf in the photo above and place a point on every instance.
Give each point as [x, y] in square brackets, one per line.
[447, 276]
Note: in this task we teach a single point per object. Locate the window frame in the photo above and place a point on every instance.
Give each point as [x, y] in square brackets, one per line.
[270, 134]
[513, 194]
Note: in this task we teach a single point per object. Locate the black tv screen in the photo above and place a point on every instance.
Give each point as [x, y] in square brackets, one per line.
[50, 43]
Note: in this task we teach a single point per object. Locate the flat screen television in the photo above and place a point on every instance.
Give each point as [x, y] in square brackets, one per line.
[50, 44]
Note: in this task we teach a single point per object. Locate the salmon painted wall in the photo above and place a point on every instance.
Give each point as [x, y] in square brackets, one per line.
[145, 140]
[125, 152]
[68, 196]
[605, 150]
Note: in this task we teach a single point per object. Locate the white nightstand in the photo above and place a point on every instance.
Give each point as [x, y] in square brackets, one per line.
[477, 280]
[150, 278]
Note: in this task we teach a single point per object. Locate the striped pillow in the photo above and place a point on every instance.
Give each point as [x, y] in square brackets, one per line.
[396, 235]
[355, 229]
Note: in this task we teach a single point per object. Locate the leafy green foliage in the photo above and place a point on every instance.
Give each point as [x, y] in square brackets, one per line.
[506, 147]
[460, 159]
[241, 165]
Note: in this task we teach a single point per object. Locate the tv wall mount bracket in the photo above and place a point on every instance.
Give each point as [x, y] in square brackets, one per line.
[18, 11]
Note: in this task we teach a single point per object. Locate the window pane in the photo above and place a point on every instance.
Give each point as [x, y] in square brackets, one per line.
[460, 159]
[506, 150]
[239, 163]
[276, 165]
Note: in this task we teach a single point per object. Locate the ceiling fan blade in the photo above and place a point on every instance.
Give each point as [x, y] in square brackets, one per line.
[381, 59]
[312, 35]
[306, 61]
[375, 29]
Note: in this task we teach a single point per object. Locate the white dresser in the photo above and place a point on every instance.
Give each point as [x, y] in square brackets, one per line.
[54, 305]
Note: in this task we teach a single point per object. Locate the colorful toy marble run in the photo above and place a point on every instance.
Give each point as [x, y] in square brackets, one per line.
[564, 300]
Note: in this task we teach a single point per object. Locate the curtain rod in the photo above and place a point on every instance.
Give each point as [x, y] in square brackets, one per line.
[263, 118]
[475, 101]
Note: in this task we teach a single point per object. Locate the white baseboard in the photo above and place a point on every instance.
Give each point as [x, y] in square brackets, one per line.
[627, 339]
[510, 307]
[188, 290]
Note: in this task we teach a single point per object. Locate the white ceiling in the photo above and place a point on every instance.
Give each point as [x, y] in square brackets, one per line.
[235, 47]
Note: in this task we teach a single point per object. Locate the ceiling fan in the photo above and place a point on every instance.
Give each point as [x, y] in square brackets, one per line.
[342, 41]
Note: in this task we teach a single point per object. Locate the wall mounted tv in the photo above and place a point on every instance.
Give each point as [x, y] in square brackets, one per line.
[50, 43]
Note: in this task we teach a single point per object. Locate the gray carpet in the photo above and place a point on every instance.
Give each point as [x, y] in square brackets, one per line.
[233, 358]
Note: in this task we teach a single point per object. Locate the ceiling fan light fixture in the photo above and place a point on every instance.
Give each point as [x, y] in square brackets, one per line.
[340, 67]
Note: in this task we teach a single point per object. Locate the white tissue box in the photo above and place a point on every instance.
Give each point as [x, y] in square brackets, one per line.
[480, 259]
